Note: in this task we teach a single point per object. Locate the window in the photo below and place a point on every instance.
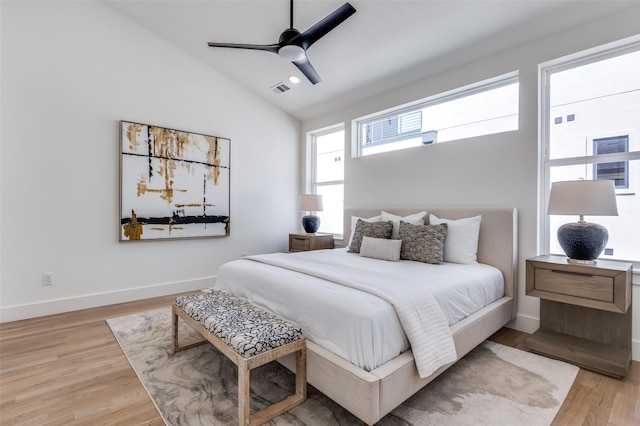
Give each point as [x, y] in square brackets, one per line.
[483, 108]
[617, 171]
[327, 176]
[590, 104]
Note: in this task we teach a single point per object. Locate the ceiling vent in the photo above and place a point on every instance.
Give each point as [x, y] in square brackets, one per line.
[280, 88]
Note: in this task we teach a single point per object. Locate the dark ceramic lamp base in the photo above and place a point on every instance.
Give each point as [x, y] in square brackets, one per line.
[310, 224]
[582, 241]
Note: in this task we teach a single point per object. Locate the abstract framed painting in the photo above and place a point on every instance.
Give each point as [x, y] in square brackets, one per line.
[173, 184]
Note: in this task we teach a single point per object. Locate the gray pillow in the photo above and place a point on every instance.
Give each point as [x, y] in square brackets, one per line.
[369, 229]
[422, 243]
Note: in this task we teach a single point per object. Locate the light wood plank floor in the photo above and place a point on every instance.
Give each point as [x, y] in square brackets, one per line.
[68, 369]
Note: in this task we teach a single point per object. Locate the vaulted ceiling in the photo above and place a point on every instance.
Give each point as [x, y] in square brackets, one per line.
[385, 44]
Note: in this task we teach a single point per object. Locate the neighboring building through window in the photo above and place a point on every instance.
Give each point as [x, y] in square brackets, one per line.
[327, 177]
[590, 117]
[393, 129]
[480, 109]
[617, 171]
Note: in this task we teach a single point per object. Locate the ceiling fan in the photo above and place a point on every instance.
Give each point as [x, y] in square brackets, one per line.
[293, 45]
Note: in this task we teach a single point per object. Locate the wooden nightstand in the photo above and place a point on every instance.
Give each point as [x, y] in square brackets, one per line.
[307, 242]
[585, 312]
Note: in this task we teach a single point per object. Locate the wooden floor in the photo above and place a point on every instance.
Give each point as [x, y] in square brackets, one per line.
[68, 369]
[594, 399]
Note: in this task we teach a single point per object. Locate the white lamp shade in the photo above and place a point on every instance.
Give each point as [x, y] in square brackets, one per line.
[310, 203]
[583, 197]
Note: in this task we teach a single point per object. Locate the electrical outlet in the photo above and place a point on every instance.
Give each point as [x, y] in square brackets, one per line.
[47, 279]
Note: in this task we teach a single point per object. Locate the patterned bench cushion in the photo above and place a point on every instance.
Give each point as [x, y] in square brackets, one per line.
[246, 328]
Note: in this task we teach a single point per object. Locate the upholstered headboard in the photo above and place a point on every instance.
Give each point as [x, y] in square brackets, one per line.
[498, 241]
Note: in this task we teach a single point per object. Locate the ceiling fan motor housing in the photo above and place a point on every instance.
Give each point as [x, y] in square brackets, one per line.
[289, 49]
[288, 35]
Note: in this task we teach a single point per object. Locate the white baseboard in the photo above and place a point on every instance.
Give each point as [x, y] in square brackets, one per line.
[635, 350]
[525, 323]
[50, 307]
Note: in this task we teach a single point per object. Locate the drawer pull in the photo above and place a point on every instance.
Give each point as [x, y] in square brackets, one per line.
[555, 271]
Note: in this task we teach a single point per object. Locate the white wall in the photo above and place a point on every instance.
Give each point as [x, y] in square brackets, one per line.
[72, 70]
[495, 170]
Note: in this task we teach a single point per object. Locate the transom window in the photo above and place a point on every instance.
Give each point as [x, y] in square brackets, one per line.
[483, 108]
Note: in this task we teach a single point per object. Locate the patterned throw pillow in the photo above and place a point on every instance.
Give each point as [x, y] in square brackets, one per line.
[354, 221]
[369, 229]
[422, 243]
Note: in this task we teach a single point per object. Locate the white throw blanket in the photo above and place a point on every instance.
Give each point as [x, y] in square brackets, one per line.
[421, 317]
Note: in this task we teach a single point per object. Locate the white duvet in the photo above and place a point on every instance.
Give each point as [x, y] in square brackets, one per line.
[355, 323]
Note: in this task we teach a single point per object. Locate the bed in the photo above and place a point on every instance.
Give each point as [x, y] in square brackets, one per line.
[364, 361]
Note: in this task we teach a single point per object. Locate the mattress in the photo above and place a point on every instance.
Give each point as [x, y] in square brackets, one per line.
[356, 325]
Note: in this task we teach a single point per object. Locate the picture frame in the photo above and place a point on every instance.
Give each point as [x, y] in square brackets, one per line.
[174, 184]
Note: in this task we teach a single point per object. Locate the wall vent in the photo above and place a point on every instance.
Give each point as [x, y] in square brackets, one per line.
[280, 88]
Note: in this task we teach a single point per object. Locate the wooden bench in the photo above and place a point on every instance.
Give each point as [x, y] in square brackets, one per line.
[249, 337]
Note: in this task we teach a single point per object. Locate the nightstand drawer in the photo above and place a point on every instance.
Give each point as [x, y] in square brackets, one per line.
[307, 242]
[586, 286]
[604, 285]
[299, 243]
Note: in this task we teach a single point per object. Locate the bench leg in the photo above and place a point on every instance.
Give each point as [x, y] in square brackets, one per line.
[174, 329]
[301, 373]
[244, 399]
[174, 333]
[264, 415]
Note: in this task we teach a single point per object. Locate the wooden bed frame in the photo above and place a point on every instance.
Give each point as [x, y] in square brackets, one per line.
[370, 395]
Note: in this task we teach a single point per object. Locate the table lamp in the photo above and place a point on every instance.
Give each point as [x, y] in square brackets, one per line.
[311, 203]
[582, 241]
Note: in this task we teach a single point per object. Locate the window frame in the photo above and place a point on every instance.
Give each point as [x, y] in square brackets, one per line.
[312, 166]
[545, 121]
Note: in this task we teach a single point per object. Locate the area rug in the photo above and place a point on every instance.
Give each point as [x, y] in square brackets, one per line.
[492, 385]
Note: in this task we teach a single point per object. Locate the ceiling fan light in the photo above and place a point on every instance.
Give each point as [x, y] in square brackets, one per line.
[291, 53]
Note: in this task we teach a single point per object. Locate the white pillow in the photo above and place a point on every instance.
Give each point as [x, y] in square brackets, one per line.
[381, 248]
[461, 243]
[354, 221]
[414, 219]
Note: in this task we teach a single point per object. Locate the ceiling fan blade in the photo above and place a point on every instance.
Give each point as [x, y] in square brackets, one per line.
[320, 29]
[305, 66]
[266, 47]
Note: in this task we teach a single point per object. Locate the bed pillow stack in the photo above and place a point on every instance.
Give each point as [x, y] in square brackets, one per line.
[392, 237]
[377, 236]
